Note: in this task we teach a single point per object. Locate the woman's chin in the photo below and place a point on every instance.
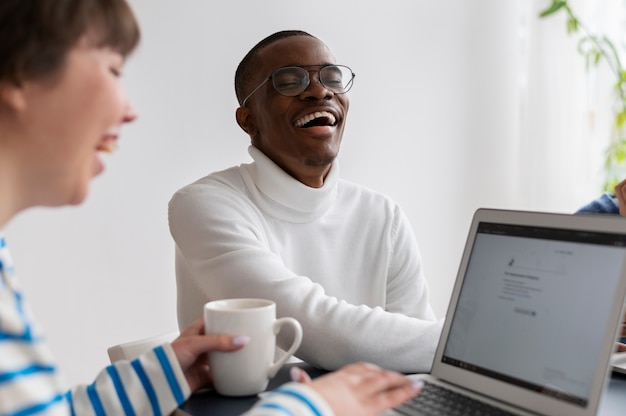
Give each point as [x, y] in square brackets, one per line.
[78, 197]
[98, 165]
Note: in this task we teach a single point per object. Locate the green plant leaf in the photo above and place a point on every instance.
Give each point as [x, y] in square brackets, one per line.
[597, 57]
[572, 25]
[593, 48]
[610, 184]
[554, 7]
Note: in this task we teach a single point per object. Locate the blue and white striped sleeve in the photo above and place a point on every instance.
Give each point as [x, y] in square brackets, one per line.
[291, 399]
[153, 383]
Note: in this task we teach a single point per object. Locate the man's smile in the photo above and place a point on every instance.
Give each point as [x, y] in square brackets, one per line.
[318, 118]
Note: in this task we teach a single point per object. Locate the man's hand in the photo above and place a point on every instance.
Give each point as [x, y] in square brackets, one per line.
[620, 194]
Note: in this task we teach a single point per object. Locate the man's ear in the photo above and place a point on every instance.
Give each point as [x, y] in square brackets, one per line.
[245, 119]
[12, 96]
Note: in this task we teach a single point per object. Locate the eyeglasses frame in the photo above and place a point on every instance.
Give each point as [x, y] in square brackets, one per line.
[270, 77]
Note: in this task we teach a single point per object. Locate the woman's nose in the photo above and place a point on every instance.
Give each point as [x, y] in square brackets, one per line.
[130, 114]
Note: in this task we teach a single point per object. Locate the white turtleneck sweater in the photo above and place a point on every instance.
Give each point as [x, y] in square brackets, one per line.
[341, 259]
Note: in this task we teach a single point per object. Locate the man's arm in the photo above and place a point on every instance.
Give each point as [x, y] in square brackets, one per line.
[606, 203]
[407, 290]
[225, 252]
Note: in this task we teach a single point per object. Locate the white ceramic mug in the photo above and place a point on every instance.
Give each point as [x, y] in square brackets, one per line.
[247, 371]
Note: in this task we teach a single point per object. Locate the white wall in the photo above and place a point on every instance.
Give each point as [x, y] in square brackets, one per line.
[434, 123]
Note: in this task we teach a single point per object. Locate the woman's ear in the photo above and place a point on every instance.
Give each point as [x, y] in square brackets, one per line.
[12, 96]
[245, 119]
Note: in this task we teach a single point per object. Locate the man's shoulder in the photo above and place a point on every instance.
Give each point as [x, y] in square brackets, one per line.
[215, 188]
[229, 178]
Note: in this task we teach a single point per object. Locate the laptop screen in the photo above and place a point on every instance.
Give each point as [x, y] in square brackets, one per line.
[533, 307]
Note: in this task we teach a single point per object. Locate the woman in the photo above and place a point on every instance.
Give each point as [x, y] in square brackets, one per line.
[61, 103]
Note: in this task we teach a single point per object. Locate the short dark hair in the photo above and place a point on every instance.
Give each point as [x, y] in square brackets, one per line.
[248, 65]
[35, 35]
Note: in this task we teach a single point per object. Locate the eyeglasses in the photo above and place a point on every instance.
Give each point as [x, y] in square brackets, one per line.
[294, 80]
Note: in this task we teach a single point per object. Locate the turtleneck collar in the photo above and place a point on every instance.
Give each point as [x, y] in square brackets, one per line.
[282, 196]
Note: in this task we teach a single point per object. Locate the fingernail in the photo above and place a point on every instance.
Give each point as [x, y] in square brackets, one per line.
[417, 384]
[241, 340]
[294, 374]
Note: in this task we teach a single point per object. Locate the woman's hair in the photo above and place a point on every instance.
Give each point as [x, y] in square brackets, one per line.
[36, 35]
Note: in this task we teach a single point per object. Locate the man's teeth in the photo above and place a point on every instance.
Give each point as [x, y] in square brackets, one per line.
[318, 114]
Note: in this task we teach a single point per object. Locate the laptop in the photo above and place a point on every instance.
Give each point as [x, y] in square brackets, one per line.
[534, 314]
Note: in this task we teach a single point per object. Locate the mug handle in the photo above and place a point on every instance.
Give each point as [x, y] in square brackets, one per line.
[297, 340]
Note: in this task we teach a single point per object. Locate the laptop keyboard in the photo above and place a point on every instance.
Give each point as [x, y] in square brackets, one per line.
[435, 399]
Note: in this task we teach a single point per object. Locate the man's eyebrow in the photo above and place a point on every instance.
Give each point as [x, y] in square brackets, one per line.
[309, 65]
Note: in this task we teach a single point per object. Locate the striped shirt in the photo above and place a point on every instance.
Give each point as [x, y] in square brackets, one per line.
[30, 381]
[291, 399]
[152, 384]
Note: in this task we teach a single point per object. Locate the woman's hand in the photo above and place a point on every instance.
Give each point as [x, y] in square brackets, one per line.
[361, 389]
[191, 349]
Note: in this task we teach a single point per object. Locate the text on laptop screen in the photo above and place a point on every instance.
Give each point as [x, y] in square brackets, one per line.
[519, 282]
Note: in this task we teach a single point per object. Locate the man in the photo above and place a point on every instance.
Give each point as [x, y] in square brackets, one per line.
[615, 204]
[338, 257]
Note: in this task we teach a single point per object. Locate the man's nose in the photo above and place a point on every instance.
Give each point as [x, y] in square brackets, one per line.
[316, 89]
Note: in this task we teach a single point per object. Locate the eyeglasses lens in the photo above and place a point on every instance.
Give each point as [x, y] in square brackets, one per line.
[290, 81]
[293, 80]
